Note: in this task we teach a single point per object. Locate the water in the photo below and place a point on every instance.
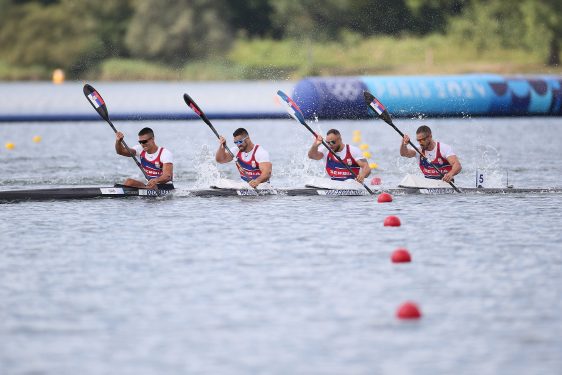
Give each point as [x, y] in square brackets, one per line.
[280, 285]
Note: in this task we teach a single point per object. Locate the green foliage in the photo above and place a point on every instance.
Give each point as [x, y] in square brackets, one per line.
[489, 24]
[37, 34]
[278, 39]
[527, 25]
[310, 19]
[432, 15]
[16, 73]
[251, 18]
[177, 31]
[116, 69]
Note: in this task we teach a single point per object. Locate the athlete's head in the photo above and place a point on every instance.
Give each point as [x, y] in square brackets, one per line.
[333, 139]
[241, 138]
[423, 136]
[146, 138]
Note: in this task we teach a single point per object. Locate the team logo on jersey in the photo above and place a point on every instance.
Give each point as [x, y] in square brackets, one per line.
[440, 161]
[349, 162]
[157, 164]
[253, 164]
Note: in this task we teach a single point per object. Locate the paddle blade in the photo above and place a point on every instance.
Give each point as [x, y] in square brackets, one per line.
[374, 104]
[292, 107]
[96, 101]
[191, 104]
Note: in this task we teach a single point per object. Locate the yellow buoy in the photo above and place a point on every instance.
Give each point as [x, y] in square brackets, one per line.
[367, 154]
[58, 76]
[357, 133]
[356, 139]
[10, 145]
[373, 165]
[363, 147]
[37, 139]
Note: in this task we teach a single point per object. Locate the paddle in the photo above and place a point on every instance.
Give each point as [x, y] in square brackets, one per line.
[191, 104]
[297, 114]
[98, 103]
[380, 110]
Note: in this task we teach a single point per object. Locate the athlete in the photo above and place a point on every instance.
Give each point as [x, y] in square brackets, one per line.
[349, 154]
[440, 154]
[157, 162]
[253, 161]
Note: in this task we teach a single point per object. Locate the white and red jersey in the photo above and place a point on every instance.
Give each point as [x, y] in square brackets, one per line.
[153, 164]
[250, 162]
[349, 155]
[438, 156]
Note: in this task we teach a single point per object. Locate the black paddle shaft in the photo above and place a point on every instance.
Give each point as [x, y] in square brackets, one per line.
[386, 117]
[95, 99]
[191, 104]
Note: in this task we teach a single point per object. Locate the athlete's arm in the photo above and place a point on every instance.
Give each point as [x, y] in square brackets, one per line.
[120, 149]
[313, 153]
[166, 176]
[404, 150]
[456, 168]
[265, 168]
[222, 156]
[365, 170]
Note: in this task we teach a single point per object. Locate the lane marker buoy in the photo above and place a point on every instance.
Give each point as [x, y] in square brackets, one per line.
[408, 310]
[384, 198]
[401, 255]
[392, 221]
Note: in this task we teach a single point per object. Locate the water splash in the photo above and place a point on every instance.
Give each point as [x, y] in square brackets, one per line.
[205, 167]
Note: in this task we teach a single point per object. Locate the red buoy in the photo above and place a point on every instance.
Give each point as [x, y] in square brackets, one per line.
[384, 198]
[408, 310]
[392, 221]
[401, 255]
[376, 181]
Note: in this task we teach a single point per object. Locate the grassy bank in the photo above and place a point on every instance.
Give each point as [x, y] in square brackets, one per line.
[292, 59]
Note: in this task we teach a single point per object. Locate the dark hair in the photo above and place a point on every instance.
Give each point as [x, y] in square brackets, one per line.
[333, 131]
[240, 131]
[424, 130]
[145, 131]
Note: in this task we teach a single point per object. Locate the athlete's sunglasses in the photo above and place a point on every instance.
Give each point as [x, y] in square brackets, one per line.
[143, 141]
[240, 141]
[331, 142]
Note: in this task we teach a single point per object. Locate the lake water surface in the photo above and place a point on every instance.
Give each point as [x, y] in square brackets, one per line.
[281, 285]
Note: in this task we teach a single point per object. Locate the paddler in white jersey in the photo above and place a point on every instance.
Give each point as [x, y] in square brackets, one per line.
[156, 162]
[440, 154]
[349, 154]
[253, 164]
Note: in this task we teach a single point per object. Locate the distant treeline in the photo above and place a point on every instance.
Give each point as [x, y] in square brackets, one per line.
[78, 35]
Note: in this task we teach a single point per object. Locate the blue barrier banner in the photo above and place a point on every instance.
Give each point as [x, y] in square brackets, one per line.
[431, 96]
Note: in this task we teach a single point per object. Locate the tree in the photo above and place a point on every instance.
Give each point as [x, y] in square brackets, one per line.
[432, 15]
[310, 19]
[545, 17]
[251, 17]
[175, 31]
[527, 24]
[490, 24]
[57, 35]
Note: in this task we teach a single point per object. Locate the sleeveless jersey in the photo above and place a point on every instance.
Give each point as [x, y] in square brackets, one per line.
[153, 168]
[249, 170]
[440, 162]
[339, 172]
